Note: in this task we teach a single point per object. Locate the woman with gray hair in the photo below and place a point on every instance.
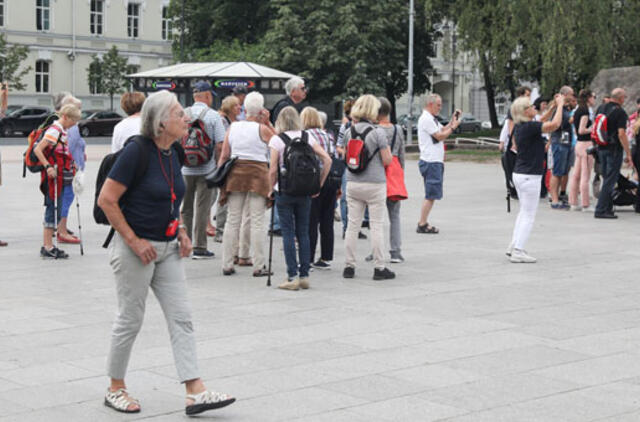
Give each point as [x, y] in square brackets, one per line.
[247, 183]
[147, 251]
[528, 170]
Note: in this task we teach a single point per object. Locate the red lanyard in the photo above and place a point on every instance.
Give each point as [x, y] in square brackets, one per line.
[169, 181]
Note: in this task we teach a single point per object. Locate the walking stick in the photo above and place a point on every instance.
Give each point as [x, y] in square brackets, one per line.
[270, 245]
[55, 211]
[79, 226]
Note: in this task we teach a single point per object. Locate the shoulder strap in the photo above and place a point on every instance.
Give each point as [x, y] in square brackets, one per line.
[393, 140]
[143, 164]
[285, 138]
[366, 132]
[304, 137]
[203, 113]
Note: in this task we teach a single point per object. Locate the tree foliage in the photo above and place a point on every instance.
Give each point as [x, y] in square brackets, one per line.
[107, 74]
[349, 48]
[10, 59]
[219, 29]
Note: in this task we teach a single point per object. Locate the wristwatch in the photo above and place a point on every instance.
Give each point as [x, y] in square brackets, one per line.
[48, 166]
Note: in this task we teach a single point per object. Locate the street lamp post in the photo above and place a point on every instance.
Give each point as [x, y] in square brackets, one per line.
[453, 68]
[182, 34]
[410, 75]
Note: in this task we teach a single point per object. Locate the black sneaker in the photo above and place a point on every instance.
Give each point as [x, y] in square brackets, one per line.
[321, 265]
[349, 272]
[202, 254]
[396, 258]
[383, 274]
[53, 253]
[361, 235]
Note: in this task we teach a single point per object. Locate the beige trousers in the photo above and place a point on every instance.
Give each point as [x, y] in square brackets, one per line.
[359, 196]
[255, 208]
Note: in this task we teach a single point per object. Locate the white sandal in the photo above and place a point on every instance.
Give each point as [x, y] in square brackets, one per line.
[207, 400]
[120, 400]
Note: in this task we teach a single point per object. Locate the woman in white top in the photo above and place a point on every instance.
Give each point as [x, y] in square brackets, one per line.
[247, 182]
[131, 103]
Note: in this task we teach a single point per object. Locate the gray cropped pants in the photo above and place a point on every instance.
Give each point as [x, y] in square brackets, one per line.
[165, 276]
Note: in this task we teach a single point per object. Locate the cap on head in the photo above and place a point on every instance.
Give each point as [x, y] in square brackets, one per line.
[203, 86]
[240, 90]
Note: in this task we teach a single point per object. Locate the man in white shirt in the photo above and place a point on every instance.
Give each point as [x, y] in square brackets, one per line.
[431, 136]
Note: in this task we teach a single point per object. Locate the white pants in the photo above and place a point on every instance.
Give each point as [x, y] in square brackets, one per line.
[528, 187]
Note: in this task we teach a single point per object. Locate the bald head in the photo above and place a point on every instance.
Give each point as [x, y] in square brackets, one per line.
[618, 95]
[566, 90]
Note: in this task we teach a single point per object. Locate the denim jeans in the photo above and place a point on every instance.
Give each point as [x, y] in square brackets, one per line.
[67, 200]
[294, 214]
[610, 163]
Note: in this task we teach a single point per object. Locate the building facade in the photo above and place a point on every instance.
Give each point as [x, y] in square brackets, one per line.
[64, 35]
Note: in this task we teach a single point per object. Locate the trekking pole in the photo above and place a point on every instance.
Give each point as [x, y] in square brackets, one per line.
[55, 211]
[79, 226]
[273, 206]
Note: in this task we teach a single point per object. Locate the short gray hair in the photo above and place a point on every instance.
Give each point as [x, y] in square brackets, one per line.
[566, 90]
[57, 99]
[431, 99]
[288, 119]
[292, 84]
[253, 103]
[155, 110]
[323, 118]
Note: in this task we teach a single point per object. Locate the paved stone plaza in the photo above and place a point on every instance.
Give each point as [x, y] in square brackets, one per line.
[460, 335]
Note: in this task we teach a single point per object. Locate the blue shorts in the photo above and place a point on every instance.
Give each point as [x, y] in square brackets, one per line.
[432, 173]
[561, 156]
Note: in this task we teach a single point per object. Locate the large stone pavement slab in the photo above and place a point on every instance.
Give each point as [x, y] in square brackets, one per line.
[460, 335]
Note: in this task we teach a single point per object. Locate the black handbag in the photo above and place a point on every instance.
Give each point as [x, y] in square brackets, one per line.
[219, 176]
[334, 179]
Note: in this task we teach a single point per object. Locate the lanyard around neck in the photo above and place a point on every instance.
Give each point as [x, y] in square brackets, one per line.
[169, 180]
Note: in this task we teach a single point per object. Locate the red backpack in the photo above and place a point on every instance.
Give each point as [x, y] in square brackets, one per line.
[356, 155]
[198, 147]
[599, 133]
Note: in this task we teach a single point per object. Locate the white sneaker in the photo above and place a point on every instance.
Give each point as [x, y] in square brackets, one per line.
[519, 256]
[509, 250]
[576, 208]
[590, 208]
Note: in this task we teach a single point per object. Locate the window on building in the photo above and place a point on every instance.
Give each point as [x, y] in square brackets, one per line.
[95, 80]
[96, 17]
[167, 24]
[133, 20]
[42, 76]
[43, 15]
[2, 10]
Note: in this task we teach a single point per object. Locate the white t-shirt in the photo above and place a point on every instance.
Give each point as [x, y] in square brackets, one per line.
[124, 130]
[278, 144]
[430, 149]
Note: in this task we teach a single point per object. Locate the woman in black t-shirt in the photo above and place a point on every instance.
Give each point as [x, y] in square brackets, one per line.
[146, 251]
[527, 174]
[584, 162]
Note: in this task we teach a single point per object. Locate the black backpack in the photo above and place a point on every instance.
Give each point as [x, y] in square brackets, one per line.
[301, 173]
[107, 164]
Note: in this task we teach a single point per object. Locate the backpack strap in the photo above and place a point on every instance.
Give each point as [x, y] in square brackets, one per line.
[304, 137]
[285, 138]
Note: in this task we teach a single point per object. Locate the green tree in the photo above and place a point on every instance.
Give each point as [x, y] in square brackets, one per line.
[10, 59]
[107, 75]
[349, 48]
[231, 26]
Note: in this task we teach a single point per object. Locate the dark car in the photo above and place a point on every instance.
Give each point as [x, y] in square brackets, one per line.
[23, 120]
[404, 120]
[468, 123]
[98, 122]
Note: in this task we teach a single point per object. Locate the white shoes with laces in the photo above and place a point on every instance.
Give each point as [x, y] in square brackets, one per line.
[519, 256]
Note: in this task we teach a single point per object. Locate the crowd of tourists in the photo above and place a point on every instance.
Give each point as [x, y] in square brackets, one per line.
[177, 176]
[552, 147]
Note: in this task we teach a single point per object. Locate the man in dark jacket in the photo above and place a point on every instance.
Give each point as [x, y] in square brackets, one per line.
[296, 93]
